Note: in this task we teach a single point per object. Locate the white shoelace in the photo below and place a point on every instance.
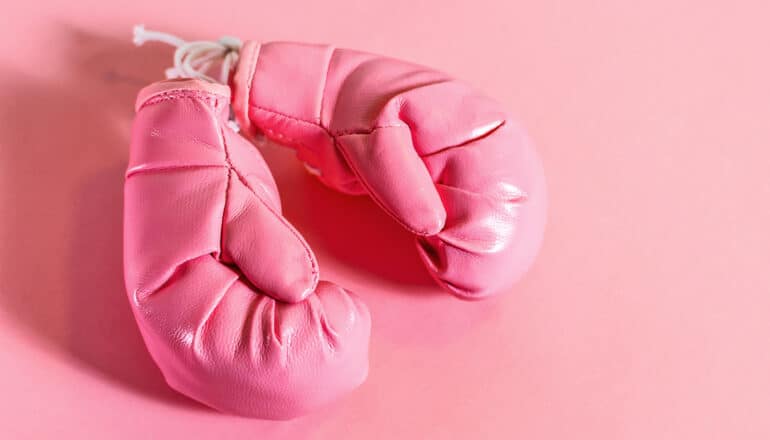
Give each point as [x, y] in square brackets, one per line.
[193, 59]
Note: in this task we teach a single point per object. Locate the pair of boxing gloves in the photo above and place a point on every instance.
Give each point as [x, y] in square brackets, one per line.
[226, 292]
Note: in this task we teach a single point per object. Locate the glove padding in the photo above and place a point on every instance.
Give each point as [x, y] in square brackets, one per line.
[224, 289]
[443, 160]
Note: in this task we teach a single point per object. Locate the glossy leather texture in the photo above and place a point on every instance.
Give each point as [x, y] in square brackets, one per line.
[443, 160]
[224, 289]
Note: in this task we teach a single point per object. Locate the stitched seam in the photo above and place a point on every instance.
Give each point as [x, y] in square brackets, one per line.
[224, 212]
[259, 107]
[519, 199]
[227, 186]
[331, 134]
[135, 171]
[336, 143]
[342, 133]
[177, 94]
[465, 143]
[253, 55]
[324, 84]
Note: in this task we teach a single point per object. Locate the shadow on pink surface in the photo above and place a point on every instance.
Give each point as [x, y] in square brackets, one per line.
[352, 230]
[65, 142]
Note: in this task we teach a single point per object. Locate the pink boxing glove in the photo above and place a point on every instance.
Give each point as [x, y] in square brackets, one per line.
[443, 160]
[225, 291]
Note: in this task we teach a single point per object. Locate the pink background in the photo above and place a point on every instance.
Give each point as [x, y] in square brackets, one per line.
[647, 315]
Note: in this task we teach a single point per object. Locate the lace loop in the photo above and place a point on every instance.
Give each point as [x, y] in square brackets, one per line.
[193, 59]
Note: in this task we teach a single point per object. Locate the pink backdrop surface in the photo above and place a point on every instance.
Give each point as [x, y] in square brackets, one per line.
[647, 315]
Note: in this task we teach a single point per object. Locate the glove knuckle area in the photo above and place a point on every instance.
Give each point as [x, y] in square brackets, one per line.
[221, 343]
[204, 275]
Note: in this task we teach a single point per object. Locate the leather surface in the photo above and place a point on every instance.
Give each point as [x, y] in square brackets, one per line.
[224, 289]
[443, 160]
